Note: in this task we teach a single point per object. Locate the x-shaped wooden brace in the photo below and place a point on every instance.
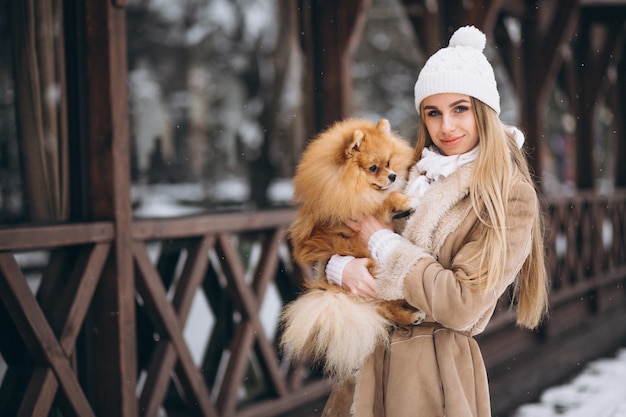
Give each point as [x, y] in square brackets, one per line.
[164, 357]
[248, 301]
[51, 355]
[169, 320]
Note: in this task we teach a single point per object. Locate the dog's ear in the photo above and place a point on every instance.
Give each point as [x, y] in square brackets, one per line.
[355, 142]
[383, 126]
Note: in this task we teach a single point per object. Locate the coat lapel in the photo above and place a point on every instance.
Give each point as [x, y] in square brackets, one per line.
[441, 210]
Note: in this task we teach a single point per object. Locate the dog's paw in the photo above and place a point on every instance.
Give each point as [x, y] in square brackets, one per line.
[418, 317]
[402, 214]
[408, 208]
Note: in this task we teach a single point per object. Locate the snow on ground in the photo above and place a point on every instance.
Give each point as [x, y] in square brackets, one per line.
[185, 199]
[598, 391]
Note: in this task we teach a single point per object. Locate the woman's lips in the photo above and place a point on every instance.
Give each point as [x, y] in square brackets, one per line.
[451, 141]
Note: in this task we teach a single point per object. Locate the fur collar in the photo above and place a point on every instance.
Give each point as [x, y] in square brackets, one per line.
[441, 210]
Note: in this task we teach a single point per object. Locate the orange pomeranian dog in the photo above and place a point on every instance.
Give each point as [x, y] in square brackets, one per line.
[353, 169]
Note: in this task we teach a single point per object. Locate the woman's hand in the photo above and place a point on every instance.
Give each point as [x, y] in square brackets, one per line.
[357, 279]
[366, 227]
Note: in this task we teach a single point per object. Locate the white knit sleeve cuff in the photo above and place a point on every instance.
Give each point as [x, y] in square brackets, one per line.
[382, 243]
[334, 268]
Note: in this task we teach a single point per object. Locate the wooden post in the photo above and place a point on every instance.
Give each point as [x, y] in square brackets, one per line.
[541, 59]
[592, 78]
[111, 342]
[336, 28]
[620, 166]
[428, 25]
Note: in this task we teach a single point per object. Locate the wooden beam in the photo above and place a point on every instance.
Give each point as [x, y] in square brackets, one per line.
[163, 359]
[250, 330]
[213, 223]
[39, 339]
[597, 59]
[335, 32]
[65, 314]
[612, 52]
[620, 157]
[541, 59]
[282, 406]
[454, 15]
[427, 22]
[42, 237]
[591, 77]
[560, 30]
[484, 14]
[510, 54]
[111, 374]
[168, 324]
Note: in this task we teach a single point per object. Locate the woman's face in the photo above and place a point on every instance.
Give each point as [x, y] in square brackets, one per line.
[450, 122]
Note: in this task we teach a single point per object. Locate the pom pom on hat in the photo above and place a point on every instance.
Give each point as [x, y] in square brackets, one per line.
[468, 36]
[460, 68]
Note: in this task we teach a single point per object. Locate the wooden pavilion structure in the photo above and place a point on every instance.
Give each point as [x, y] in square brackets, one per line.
[103, 333]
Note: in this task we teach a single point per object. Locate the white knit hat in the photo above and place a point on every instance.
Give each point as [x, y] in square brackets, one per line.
[461, 68]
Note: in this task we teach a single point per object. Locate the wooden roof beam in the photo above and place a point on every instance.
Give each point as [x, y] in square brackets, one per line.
[427, 21]
[620, 168]
[484, 14]
[541, 59]
[561, 27]
[601, 32]
[335, 32]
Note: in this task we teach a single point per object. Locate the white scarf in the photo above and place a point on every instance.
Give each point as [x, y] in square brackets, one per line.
[433, 165]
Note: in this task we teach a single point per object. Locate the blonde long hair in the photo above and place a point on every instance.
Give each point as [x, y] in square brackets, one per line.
[499, 161]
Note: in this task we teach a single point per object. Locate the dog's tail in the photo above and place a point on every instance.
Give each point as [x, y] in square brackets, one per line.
[334, 328]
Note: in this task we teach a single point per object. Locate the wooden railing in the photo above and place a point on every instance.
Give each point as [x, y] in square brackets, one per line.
[39, 335]
[587, 245]
[239, 372]
[236, 264]
[586, 261]
[208, 293]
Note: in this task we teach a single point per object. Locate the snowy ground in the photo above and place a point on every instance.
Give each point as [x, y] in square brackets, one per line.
[598, 391]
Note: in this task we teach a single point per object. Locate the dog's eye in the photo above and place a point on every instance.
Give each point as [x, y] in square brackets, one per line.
[388, 162]
[373, 168]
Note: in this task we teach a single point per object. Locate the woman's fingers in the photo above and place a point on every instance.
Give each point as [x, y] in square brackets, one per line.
[357, 279]
[355, 225]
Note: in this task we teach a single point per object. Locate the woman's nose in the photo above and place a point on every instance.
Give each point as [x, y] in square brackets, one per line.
[447, 124]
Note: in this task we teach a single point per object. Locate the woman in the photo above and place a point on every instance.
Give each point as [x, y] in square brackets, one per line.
[476, 231]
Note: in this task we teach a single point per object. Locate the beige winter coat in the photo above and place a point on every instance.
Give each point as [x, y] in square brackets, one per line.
[436, 368]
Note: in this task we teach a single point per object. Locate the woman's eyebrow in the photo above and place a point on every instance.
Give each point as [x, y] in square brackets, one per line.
[463, 100]
[456, 103]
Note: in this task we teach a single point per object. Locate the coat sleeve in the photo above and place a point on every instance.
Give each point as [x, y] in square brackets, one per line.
[440, 291]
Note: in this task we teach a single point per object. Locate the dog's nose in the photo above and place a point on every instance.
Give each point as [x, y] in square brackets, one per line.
[392, 177]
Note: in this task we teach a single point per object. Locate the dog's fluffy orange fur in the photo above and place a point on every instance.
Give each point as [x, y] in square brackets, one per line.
[353, 169]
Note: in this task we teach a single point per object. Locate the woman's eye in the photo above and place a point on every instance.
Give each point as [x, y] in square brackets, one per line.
[461, 109]
[433, 113]
[373, 168]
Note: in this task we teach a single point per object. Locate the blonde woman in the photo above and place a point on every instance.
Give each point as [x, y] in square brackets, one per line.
[476, 232]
